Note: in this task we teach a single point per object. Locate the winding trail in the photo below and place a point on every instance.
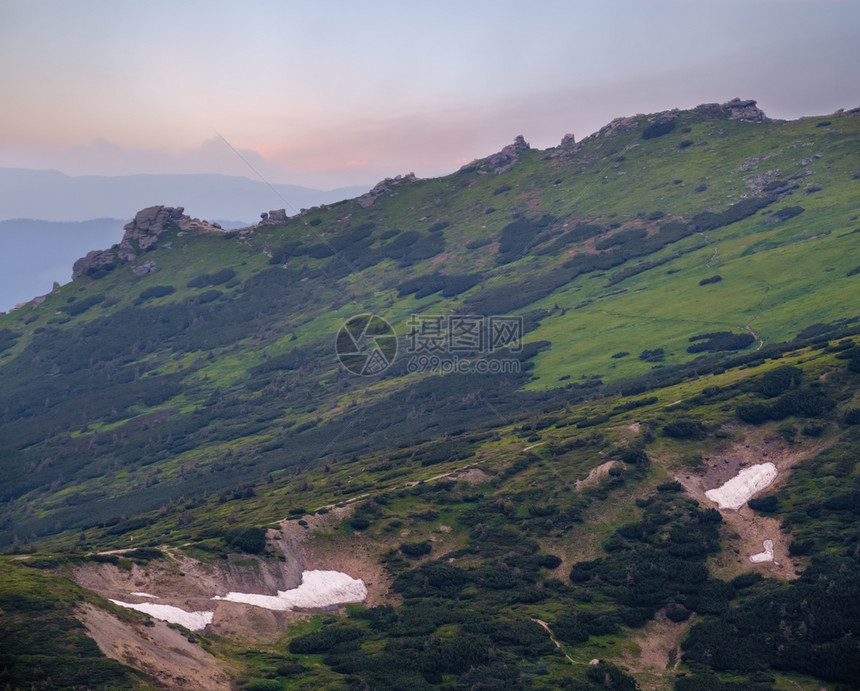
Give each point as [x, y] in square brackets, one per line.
[553, 639]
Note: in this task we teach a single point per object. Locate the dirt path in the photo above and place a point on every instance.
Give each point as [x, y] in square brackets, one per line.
[553, 639]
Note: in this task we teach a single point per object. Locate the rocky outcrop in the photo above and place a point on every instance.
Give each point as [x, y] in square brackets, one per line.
[745, 111]
[141, 234]
[502, 161]
[617, 126]
[385, 187]
[736, 109]
[275, 217]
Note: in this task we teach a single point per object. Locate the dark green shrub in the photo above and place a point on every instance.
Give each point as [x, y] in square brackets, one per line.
[745, 580]
[155, 292]
[677, 613]
[250, 539]
[754, 413]
[656, 355]
[658, 129]
[82, 305]
[324, 639]
[359, 523]
[709, 220]
[634, 456]
[518, 236]
[7, 339]
[607, 675]
[416, 549]
[719, 341]
[851, 417]
[290, 669]
[208, 296]
[778, 381]
[684, 429]
[263, 685]
[787, 212]
[224, 275]
[712, 279]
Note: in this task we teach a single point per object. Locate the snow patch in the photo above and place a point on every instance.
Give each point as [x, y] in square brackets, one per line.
[145, 595]
[318, 589]
[767, 555]
[749, 481]
[193, 621]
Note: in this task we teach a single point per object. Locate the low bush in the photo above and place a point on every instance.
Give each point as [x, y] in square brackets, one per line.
[658, 129]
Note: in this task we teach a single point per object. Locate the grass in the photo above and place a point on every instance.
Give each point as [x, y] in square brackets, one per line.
[777, 279]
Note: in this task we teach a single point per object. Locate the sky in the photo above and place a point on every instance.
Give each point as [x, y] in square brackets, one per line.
[332, 93]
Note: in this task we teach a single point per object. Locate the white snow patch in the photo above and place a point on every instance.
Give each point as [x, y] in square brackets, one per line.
[193, 621]
[767, 555]
[145, 595]
[318, 589]
[749, 481]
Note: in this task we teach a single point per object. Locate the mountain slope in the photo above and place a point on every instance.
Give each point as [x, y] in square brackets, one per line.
[650, 278]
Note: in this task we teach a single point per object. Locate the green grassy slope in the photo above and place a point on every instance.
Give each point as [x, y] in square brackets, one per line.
[675, 264]
[603, 246]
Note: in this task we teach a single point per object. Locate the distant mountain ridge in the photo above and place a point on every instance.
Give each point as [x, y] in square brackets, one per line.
[50, 195]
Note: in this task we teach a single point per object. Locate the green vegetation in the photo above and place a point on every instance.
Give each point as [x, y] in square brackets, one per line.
[679, 311]
[42, 643]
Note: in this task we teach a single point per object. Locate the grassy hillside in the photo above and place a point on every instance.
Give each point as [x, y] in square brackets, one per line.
[664, 273]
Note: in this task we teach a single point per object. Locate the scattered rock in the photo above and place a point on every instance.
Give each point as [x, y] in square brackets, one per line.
[145, 269]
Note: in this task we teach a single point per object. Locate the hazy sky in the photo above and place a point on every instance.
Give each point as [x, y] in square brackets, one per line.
[329, 93]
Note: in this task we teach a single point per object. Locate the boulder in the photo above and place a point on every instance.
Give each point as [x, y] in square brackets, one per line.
[145, 269]
[274, 217]
[745, 111]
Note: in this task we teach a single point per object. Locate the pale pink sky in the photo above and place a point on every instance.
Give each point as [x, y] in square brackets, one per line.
[331, 93]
